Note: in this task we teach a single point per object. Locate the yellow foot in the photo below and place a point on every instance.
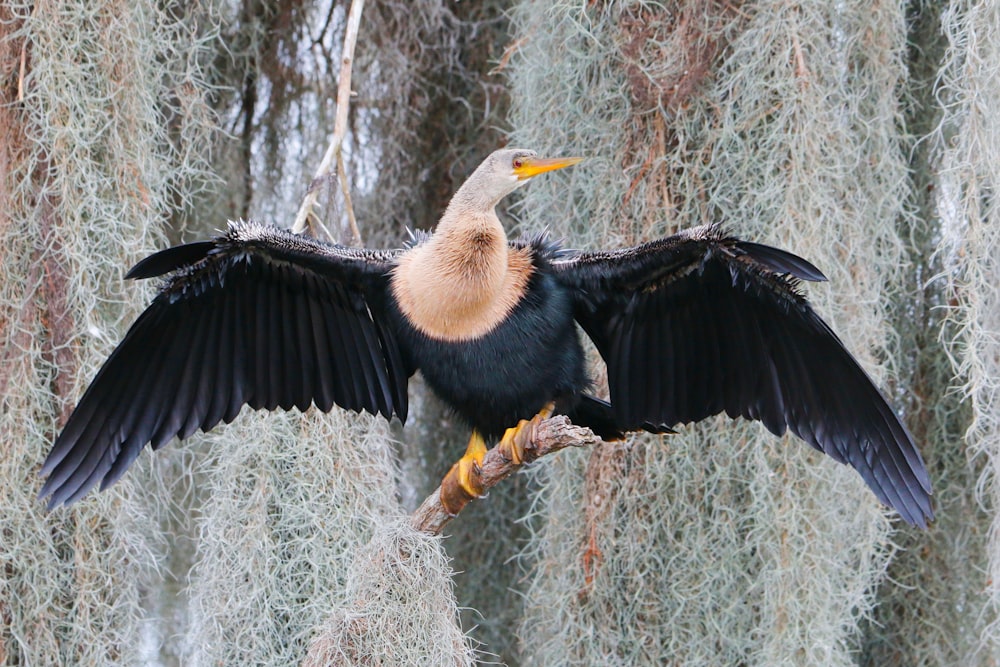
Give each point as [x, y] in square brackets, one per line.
[515, 439]
[464, 481]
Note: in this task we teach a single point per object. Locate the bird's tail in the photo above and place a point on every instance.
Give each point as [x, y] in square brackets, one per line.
[598, 415]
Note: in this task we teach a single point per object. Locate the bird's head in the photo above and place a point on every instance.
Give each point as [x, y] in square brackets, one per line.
[508, 169]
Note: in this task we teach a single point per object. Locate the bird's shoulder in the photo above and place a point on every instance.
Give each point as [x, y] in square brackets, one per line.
[250, 235]
[681, 247]
[663, 261]
[541, 247]
[193, 267]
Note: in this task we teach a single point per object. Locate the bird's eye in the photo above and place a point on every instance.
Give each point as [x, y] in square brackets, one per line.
[518, 163]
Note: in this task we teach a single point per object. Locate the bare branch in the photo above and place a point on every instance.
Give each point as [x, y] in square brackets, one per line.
[547, 437]
[333, 152]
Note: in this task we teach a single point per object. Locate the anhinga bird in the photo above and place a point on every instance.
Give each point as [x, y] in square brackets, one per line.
[689, 326]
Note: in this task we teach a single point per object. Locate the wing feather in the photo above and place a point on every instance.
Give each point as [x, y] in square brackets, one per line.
[396, 368]
[325, 376]
[199, 362]
[181, 385]
[363, 342]
[302, 372]
[257, 316]
[338, 339]
[350, 333]
[276, 347]
[618, 370]
[701, 323]
[259, 305]
[307, 383]
[140, 408]
[293, 369]
[221, 350]
[659, 354]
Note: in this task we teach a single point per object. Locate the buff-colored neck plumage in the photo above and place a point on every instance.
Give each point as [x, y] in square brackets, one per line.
[463, 281]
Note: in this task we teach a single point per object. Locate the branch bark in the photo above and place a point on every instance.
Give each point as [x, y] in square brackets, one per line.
[546, 437]
[333, 158]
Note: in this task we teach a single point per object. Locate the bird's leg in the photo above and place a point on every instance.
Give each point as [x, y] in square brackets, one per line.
[514, 439]
[463, 482]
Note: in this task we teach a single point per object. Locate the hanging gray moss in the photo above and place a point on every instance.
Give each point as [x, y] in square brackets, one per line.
[930, 609]
[90, 165]
[969, 142]
[289, 501]
[792, 124]
[399, 607]
[722, 545]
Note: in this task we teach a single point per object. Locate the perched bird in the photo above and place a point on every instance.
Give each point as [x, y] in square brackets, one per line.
[689, 326]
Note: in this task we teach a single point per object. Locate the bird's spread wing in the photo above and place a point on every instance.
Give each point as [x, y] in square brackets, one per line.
[257, 316]
[700, 323]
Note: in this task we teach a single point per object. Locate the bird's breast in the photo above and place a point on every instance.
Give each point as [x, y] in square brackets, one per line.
[531, 357]
[462, 298]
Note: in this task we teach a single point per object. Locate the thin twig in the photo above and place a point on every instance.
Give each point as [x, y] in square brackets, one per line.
[348, 206]
[21, 72]
[547, 437]
[333, 152]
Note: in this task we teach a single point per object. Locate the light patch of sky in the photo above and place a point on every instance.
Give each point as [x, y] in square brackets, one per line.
[308, 130]
[954, 222]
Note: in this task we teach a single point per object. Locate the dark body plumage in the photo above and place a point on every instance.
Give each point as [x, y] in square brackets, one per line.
[531, 358]
[689, 326]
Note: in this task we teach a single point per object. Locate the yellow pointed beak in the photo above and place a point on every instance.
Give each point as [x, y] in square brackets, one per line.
[533, 166]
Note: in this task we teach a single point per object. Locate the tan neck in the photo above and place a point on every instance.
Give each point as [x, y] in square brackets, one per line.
[470, 249]
[464, 281]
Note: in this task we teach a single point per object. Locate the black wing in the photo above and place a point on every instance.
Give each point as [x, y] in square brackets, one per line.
[258, 316]
[700, 323]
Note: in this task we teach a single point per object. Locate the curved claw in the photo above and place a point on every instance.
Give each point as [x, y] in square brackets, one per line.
[464, 481]
[515, 440]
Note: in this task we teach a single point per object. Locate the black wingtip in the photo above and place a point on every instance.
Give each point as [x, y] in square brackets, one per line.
[922, 515]
[923, 521]
[782, 261]
[54, 496]
[171, 259]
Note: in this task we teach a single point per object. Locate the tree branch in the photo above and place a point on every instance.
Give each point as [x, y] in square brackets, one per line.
[546, 437]
[333, 157]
